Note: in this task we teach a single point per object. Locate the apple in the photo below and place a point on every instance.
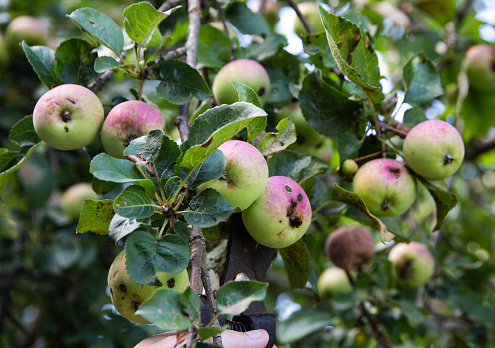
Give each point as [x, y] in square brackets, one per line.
[413, 263]
[311, 12]
[479, 67]
[68, 117]
[74, 196]
[386, 186]
[245, 175]
[246, 71]
[280, 216]
[127, 295]
[433, 149]
[350, 247]
[32, 30]
[333, 281]
[349, 168]
[127, 121]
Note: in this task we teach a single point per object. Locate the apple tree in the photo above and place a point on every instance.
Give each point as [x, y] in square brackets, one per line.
[355, 138]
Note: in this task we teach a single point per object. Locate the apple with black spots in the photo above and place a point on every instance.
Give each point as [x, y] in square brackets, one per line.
[386, 186]
[74, 196]
[479, 67]
[68, 117]
[434, 149]
[413, 263]
[127, 295]
[280, 216]
[246, 71]
[333, 281]
[350, 247]
[127, 121]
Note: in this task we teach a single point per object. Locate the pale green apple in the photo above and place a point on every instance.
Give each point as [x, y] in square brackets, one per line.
[73, 198]
[350, 247]
[333, 281]
[127, 295]
[349, 168]
[479, 67]
[434, 149]
[413, 263]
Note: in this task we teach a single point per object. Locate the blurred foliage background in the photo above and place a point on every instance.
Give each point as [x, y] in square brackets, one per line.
[53, 282]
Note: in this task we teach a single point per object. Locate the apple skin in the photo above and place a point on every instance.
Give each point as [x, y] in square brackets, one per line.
[386, 186]
[73, 198]
[280, 216]
[311, 12]
[68, 117]
[350, 247]
[434, 149]
[246, 71]
[479, 67]
[32, 30]
[413, 263]
[245, 175]
[4, 53]
[333, 281]
[127, 295]
[127, 121]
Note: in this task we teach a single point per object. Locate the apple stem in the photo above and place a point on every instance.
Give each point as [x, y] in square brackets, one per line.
[66, 115]
[447, 160]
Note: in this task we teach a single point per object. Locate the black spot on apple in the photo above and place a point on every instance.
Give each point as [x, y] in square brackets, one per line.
[288, 188]
[385, 205]
[65, 115]
[171, 283]
[405, 269]
[396, 171]
[447, 159]
[261, 91]
[66, 129]
[122, 287]
[294, 221]
[300, 197]
[70, 101]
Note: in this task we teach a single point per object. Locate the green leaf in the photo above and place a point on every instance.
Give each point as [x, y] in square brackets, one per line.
[142, 19]
[42, 59]
[214, 127]
[235, 297]
[99, 27]
[209, 208]
[206, 332]
[75, 60]
[146, 256]
[172, 187]
[316, 45]
[302, 323]
[133, 202]
[121, 226]
[95, 216]
[180, 82]
[269, 48]
[107, 168]
[23, 132]
[163, 309]
[181, 229]
[326, 109]
[245, 20]
[414, 116]
[280, 140]
[445, 201]
[211, 168]
[190, 303]
[353, 53]
[477, 111]
[105, 63]
[422, 81]
[213, 47]
[295, 165]
[347, 145]
[247, 94]
[297, 262]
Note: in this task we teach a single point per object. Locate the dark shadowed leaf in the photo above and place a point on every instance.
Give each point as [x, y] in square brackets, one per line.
[23, 133]
[422, 81]
[209, 208]
[133, 202]
[295, 165]
[75, 62]
[297, 262]
[245, 20]
[445, 201]
[190, 303]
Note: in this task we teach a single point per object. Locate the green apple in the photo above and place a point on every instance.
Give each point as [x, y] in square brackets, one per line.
[32, 30]
[73, 198]
[280, 216]
[333, 281]
[349, 168]
[246, 71]
[413, 263]
[68, 117]
[434, 149]
[311, 12]
[479, 67]
[350, 247]
[386, 186]
[127, 295]
[127, 121]
[245, 174]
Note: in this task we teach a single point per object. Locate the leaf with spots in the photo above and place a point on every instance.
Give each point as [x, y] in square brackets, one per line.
[164, 309]
[445, 201]
[95, 216]
[234, 297]
[297, 262]
[133, 202]
[208, 209]
[280, 140]
[190, 303]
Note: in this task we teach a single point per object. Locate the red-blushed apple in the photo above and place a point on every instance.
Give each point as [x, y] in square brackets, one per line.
[127, 295]
[311, 12]
[434, 149]
[386, 186]
[73, 198]
[245, 175]
[333, 281]
[68, 117]
[413, 263]
[280, 216]
[32, 30]
[127, 121]
[350, 247]
[246, 71]
[479, 67]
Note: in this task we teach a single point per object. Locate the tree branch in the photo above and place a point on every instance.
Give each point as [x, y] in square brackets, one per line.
[303, 19]
[167, 5]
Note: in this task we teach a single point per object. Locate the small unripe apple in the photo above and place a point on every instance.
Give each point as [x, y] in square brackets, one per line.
[434, 149]
[127, 295]
[413, 263]
[280, 216]
[32, 30]
[350, 247]
[245, 175]
[246, 71]
[127, 121]
[73, 198]
[349, 168]
[311, 12]
[479, 66]
[386, 186]
[68, 117]
[333, 281]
